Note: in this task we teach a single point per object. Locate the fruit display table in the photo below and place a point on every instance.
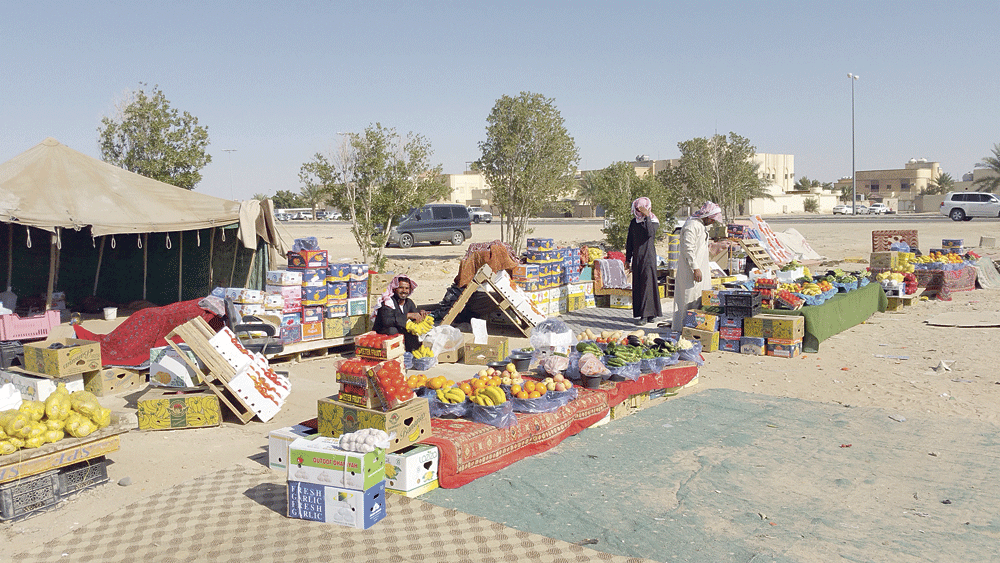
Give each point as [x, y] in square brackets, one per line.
[944, 282]
[840, 313]
[470, 450]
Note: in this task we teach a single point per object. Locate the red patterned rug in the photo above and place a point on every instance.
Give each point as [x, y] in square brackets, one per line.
[946, 282]
[470, 450]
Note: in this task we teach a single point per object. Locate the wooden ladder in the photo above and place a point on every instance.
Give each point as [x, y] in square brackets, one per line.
[196, 333]
[758, 254]
[485, 276]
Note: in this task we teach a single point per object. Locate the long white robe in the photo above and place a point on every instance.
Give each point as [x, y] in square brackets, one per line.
[693, 255]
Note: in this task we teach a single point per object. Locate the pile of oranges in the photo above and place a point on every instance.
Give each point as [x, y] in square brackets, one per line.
[530, 390]
[420, 380]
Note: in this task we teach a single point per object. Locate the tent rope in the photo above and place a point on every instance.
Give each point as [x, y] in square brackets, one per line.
[198, 235]
[93, 241]
[58, 238]
[112, 242]
[168, 241]
[138, 240]
[29, 236]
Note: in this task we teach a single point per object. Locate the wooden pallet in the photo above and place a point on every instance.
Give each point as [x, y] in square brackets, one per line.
[299, 351]
[485, 277]
[196, 333]
[758, 254]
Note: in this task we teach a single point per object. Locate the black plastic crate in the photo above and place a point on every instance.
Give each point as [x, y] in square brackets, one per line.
[79, 476]
[742, 312]
[24, 497]
[741, 299]
[11, 353]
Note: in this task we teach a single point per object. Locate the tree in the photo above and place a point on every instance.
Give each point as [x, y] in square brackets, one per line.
[804, 184]
[376, 177]
[259, 196]
[720, 170]
[940, 185]
[616, 187]
[149, 137]
[528, 158]
[285, 199]
[313, 196]
[990, 183]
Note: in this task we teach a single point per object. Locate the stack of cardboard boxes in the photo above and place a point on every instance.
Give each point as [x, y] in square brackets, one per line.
[551, 279]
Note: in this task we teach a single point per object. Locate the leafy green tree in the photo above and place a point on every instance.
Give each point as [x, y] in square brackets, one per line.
[943, 184]
[616, 187]
[586, 191]
[990, 183]
[720, 170]
[285, 199]
[376, 177]
[151, 138]
[259, 196]
[810, 205]
[804, 184]
[528, 158]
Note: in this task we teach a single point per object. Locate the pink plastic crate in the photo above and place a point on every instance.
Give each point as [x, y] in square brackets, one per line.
[13, 327]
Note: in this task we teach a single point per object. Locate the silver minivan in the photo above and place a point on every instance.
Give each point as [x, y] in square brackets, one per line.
[963, 206]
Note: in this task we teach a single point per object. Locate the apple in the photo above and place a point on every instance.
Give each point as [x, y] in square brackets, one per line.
[551, 385]
[558, 377]
[511, 368]
[560, 386]
[482, 373]
[490, 371]
[568, 384]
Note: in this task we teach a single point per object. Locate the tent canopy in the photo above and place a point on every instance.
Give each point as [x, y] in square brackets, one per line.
[51, 185]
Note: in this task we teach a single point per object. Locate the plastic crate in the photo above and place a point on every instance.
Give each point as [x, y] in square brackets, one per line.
[740, 299]
[24, 497]
[11, 353]
[81, 476]
[13, 327]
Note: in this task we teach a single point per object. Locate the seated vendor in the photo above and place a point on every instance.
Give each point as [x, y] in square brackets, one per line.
[395, 308]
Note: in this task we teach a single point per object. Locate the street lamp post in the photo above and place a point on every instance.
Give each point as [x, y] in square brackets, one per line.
[854, 180]
[231, 151]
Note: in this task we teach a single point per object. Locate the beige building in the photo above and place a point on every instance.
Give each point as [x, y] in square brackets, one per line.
[900, 184]
[468, 188]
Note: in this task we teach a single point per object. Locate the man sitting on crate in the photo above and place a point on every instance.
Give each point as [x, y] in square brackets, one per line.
[394, 308]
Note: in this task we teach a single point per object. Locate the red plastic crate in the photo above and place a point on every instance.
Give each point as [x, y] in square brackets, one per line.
[13, 327]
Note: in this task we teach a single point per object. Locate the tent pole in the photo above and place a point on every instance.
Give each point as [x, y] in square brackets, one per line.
[180, 265]
[211, 262]
[52, 272]
[236, 250]
[100, 258]
[145, 262]
[10, 253]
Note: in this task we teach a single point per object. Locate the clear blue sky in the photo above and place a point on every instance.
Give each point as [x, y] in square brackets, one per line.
[276, 81]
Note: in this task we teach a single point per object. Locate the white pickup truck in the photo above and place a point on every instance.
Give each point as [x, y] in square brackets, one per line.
[880, 209]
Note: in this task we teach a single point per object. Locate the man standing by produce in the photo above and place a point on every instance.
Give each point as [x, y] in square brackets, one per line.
[693, 272]
[393, 310]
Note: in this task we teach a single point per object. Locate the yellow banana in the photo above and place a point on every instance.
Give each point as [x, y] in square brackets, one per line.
[488, 401]
[495, 394]
[441, 396]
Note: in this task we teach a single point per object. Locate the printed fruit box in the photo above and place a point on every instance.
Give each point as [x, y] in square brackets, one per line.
[412, 467]
[410, 422]
[374, 346]
[74, 356]
[356, 509]
[320, 460]
[786, 327]
[164, 409]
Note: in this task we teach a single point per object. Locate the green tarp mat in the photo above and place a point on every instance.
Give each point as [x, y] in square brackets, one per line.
[840, 313]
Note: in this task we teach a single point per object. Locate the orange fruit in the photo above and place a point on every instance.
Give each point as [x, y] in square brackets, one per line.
[529, 386]
[522, 395]
[449, 383]
[515, 389]
[465, 387]
[478, 384]
[534, 395]
[412, 382]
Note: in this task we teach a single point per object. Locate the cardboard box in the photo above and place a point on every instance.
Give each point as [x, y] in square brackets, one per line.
[312, 331]
[629, 406]
[357, 289]
[335, 309]
[378, 283]
[359, 272]
[752, 346]
[245, 296]
[410, 422]
[414, 493]
[291, 334]
[701, 320]
[729, 345]
[77, 356]
[279, 440]
[320, 503]
[730, 333]
[112, 381]
[497, 349]
[283, 277]
[34, 388]
[784, 348]
[725, 321]
[164, 409]
[411, 468]
[576, 301]
[320, 460]
[786, 327]
[621, 301]
[388, 349]
[304, 259]
[889, 260]
[451, 357]
[334, 328]
[526, 272]
[314, 295]
[337, 290]
[273, 302]
[313, 314]
[68, 455]
[293, 292]
[710, 298]
[356, 325]
[357, 306]
[709, 339]
[291, 319]
[338, 273]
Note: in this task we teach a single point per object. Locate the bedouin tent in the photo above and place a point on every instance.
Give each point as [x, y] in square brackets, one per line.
[85, 227]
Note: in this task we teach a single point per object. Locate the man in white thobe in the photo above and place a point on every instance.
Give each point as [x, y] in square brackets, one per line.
[693, 272]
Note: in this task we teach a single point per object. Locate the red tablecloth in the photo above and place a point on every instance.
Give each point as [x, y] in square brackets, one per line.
[944, 282]
[469, 450]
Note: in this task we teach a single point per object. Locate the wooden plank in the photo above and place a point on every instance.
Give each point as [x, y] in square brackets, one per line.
[72, 452]
[296, 349]
[459, 305]
[758, 254]
[244, 414]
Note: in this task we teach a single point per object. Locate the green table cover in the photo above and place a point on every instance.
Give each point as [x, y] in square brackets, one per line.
[840, 313]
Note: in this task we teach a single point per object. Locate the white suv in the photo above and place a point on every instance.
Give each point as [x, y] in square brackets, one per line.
[879, 209]
[480, 215]
[963, 206]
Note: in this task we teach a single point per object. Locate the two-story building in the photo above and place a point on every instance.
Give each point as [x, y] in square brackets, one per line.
[896, 187]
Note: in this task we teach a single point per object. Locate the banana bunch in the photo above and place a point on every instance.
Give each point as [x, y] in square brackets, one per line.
[889, 276]
[423, 352]
[452, 395]
[489, 396]
[423, 327]
[806, 273]
[811, 289]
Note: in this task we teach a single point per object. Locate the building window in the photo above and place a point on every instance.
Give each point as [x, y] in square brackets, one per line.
[904, 187]
[888, 187]
[873, 188]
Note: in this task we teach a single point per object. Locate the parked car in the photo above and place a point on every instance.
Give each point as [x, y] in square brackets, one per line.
[880, 209]
[963, 206]
[433, 223]
[480, 215]
[842, 209]
[282, 216]
[334, 216]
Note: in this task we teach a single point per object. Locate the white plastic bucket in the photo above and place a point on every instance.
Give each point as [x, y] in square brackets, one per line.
[110, 313]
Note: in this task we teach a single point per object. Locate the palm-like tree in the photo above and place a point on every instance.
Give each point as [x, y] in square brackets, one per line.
[804, 184]
[990, 183]
[940, 185]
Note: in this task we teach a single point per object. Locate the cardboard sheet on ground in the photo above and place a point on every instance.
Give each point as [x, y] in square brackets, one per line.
[966, 319]
[729, 476]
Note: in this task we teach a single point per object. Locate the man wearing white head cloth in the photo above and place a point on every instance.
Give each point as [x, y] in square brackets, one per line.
[693, 272]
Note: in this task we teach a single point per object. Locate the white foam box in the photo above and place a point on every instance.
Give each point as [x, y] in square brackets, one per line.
[279, 440]
[320, 460]
[243, 295]
[621, 301]
[411, 468]
[334, 505]
[284, 277]
[227, 345]
[256, 377]
[34, 388]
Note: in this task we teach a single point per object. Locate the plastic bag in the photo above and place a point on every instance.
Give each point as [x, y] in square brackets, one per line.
[441, 409]
[408, 360]
[573, 370]
[554, 365]
[501, 416]
[552, 335]
[692, 354]
[648, 365]
[591, 366]
[443, 338]
[424, 364]
[563, 397]
[545, 403]
[628, 371]
[305, 243]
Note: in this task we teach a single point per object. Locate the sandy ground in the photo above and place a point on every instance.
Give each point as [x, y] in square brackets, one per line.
[851, 369]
